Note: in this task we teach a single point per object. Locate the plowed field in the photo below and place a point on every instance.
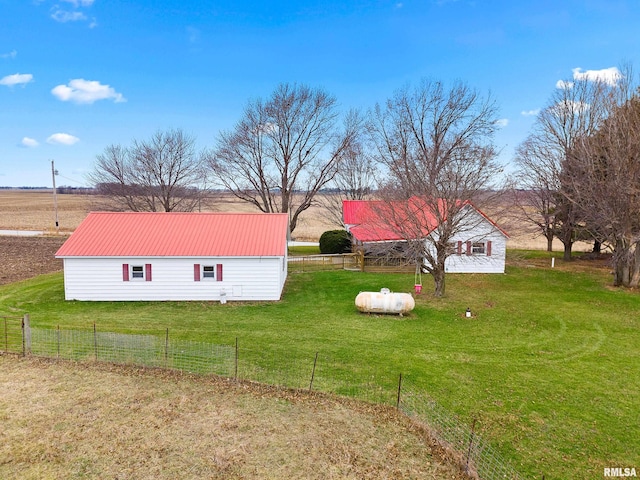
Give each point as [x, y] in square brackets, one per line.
[26, 257]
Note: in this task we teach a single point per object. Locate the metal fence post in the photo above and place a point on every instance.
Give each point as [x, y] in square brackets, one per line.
[236, 369]
[473, 429]
[399, 390]
[313, 372]
[95, 342]
[26, 335]
[166, 348]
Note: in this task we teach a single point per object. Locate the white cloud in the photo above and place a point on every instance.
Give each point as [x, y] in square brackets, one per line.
[563, 84]
[73, 13]
[530, 113]
[16, 79]
[64, 16]
[570, 108]
[11, 54]
[29, 142]
[80, 3]
[62, 139]
[503, 122]
[610, 75]
[80, 90]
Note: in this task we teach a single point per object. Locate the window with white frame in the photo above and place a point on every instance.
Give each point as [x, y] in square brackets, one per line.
[478, 248]
[208, 272]
[137, 272]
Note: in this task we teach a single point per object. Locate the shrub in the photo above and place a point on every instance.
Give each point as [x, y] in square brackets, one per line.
[335, 241]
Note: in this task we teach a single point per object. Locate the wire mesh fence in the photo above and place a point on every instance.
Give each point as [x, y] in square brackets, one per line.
[317, 371]
[12, 335]
[143, 350]
[478, 458]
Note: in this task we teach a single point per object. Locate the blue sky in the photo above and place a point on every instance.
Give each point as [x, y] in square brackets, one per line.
[78, 75]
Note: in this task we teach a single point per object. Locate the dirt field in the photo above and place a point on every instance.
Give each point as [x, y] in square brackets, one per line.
[26, 257]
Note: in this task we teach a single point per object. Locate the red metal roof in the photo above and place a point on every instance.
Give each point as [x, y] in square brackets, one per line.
[160, 234]
[379, 221]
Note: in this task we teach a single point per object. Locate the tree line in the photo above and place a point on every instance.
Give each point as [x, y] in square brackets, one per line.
[578, 168]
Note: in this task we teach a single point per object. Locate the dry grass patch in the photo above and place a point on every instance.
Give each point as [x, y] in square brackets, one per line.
[64, 420]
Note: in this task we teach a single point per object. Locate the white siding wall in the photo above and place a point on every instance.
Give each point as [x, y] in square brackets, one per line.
[284, 270]
[246, 278]
[479, 263]
[478, 229]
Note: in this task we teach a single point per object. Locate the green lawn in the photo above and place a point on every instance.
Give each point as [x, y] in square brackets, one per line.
[549, 364]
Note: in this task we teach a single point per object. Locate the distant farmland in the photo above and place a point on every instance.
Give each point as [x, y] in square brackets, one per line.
[34, 210]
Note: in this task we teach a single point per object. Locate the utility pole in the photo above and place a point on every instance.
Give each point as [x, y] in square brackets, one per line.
[54, 172]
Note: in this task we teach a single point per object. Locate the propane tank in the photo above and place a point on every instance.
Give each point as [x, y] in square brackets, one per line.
[385, 301]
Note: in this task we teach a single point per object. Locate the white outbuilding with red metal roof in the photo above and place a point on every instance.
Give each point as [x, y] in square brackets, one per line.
[479, 245]
[176, 256]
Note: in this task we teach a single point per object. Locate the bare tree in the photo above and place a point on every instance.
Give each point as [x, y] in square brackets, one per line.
[163, 173]
[437, 146]
[603, 176]
[538, 185]
[355, 179]
[575, 110]
[283, 150]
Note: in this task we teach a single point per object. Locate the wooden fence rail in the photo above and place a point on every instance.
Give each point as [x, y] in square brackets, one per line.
[348, 261]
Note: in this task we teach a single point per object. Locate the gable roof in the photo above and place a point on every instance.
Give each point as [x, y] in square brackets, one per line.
[162, 234]
[379, 221]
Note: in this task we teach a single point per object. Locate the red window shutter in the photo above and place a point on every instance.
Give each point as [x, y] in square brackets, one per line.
[459, 252]
[219, 272]
[196, 272]
[147, 270]
[125, 272]
[488, 248]
[469, 251]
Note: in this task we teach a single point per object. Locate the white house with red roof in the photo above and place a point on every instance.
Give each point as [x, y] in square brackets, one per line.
[128, 256]
[479, 246]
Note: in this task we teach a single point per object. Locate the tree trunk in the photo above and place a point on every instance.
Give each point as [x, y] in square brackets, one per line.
[550, 243]
[618, 279]
[622, 272]
[618, 264]
[625, 274]
[597, 247]
[621, 264]
[634, 259]
[567, 251]
[438, 279]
